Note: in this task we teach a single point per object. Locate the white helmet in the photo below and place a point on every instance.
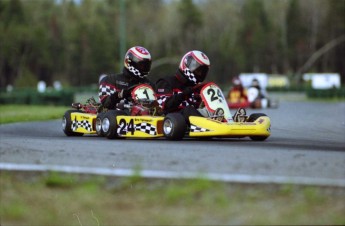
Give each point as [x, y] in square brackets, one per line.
[138, 61]
[195, 66]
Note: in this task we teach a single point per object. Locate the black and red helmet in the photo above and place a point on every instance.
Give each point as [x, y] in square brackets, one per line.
[195, 66]
[138, 61]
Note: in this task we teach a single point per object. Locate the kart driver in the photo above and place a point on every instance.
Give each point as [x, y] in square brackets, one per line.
[175, 93]
[256, 95]
[237, 96]
[115, 87]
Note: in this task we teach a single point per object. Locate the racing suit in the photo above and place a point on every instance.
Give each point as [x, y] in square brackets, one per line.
[115, 87]
[237, 97]
[259, 100]
[175, 94]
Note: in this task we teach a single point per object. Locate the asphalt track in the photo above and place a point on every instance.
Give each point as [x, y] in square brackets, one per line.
[307, 146]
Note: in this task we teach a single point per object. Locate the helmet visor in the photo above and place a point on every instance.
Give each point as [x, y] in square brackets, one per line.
[199, 70]
[192, 64]
[201, 73]
[144, 66]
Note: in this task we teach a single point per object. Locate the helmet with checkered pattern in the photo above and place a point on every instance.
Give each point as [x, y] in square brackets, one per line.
[138, 62]
[194, 66]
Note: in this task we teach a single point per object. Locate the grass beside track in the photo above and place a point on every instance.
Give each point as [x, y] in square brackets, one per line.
[27, 113]
[65, 199]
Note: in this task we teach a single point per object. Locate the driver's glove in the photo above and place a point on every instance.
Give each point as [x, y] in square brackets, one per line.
[124, 94]
[184, 95]
[187, 92]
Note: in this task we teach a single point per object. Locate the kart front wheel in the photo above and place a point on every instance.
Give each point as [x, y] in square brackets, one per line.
[174, 126]
[252, 118]
[67, 124]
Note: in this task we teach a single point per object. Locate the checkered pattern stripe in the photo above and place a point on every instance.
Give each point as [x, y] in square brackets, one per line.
[161, 99]
[184, 104]
[146, 128]
[194, 100]
[135, 72]
[84, 124]
[106, 90]
[190, 75]
[194, 128]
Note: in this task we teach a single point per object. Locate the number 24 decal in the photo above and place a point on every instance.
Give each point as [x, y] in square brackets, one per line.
[124, 127]
[215, 95]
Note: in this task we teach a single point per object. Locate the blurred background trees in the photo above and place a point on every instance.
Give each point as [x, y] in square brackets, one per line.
[76, 41]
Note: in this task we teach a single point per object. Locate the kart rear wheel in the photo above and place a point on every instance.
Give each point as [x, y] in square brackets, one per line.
[174, 126]
[67, 124]
[98, 125]
[252, 118]
[109, 124]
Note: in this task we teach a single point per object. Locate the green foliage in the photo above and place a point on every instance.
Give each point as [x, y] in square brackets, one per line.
[134, 179]
[15, 210]
[296, 35]
[254, 35]
[75, 199]
[190, 16]
[31, 97]
[25, 113]
[326, 94]
[75, 42]
[57, 180]
[187, 191]
[27, 79]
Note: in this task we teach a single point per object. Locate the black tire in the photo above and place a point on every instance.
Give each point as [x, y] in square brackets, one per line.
[174, 126]
[98, 125]
[109, 124]
[252, 118]
[67, 124]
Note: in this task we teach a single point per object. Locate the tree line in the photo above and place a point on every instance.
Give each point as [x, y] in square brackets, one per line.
[76, 41]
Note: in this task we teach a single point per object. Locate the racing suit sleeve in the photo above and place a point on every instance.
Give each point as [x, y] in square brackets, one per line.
[108, 95]
[167, 100]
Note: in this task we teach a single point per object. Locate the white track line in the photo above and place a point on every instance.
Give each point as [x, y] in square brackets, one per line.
[238, 178]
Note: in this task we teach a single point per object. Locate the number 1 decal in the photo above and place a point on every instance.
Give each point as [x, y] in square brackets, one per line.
[146, 94]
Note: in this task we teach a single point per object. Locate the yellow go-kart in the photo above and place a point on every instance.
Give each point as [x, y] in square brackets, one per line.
[218, 121]
[138, 118]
